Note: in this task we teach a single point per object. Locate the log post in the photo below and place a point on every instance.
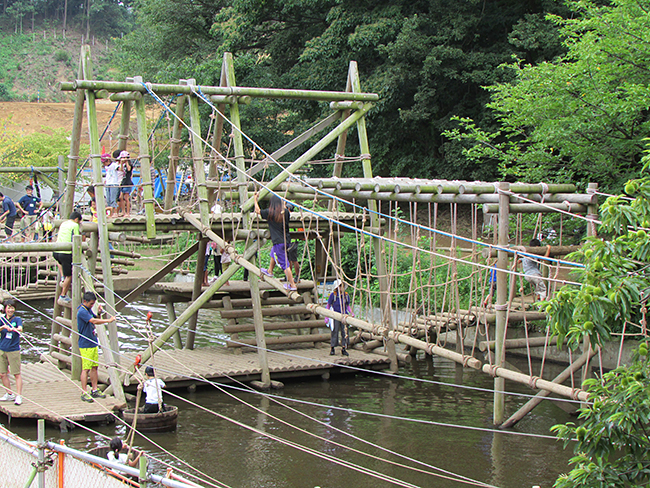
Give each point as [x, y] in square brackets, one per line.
[107, 275]
[76, 301]
[171, 315]
[125, 122]
[501, 306]
[174, 150]
[592, 214]
[196, 292]
[375, 221]
[197, 156]
[145, 165]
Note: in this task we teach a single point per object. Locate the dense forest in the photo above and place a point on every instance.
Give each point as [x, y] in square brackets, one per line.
[537, 90]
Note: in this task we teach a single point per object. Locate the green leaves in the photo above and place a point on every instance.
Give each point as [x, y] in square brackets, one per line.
[584, 115]
[612, 443]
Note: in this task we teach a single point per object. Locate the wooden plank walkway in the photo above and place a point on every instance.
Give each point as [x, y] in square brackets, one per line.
[181, 367]
[235, 286]
[48, 393]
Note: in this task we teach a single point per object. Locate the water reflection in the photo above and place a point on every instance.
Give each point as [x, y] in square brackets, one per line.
[242, 457]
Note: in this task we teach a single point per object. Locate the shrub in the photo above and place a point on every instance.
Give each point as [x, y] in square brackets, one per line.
[62, 56]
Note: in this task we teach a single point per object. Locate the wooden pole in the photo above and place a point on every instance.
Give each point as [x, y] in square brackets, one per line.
[116, 86]
[61, 176]
[125, 122]
[501, 306]
[76, 301]
[171, 315]
[196, 291]
[175, 144]
[375, 221]
[197, 156]
[75, 138]
[317, 148]
[526, 208]
[566, 391]
[145, 166]
[559, 379]
[95, 159]
[519, 343]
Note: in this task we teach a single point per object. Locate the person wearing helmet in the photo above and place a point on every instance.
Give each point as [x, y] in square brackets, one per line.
[153, 390]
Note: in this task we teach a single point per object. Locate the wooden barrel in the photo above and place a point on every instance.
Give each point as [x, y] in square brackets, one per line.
[153, 422]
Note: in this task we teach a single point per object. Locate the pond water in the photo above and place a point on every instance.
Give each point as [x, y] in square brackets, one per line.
[334, 415]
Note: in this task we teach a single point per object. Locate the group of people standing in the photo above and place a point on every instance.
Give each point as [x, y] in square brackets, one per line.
[29, 206]
[118, 183]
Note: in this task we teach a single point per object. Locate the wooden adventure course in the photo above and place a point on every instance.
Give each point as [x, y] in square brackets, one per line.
[276, 333]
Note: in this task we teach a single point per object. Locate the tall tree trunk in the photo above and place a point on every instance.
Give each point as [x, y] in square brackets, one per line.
[88, 21]
[65, 16]
[33, 13]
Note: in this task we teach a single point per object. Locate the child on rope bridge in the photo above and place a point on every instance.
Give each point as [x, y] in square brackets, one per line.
[339, 301]
[532, 273]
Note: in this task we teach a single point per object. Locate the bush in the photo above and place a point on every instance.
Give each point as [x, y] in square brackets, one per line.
[62, 56]
[5, 94]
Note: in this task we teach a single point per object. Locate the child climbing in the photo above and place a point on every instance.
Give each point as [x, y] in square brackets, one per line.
[277, 215]
[532, 274]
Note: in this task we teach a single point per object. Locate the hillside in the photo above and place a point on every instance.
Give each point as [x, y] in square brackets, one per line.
[33, 64]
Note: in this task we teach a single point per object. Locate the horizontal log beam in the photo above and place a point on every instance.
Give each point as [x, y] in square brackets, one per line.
[282, 340]
[520, 343]
[527, 208]
[525, 379]
[299, 324]
[266, 312]
[116, 86]
[538, 250]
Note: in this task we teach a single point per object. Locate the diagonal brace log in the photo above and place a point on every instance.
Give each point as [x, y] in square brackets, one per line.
[561, 378]
[168, 268]
[313, 151]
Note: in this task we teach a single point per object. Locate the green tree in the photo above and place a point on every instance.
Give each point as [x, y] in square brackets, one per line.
[581, 117]
[612, 443]
[428, 60]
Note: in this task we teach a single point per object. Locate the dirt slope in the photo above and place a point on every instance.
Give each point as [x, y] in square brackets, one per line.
[30, 117]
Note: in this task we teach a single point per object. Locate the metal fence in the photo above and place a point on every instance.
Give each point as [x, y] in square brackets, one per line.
[48, 465]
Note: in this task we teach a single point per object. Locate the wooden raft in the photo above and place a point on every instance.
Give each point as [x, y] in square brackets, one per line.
[182, 367]
[48, 393]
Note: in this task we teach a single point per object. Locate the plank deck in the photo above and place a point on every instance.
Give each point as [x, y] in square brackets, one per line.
[235, 286]
[181, 367]
[50, 394]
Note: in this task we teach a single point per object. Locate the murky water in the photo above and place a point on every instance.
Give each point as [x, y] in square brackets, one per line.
[331, 420]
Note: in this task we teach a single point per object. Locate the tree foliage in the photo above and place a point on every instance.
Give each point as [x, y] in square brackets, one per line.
[582, 116]
[427, 60]
[107, 17]
[615, 279]
[612, 444]
[37, 149]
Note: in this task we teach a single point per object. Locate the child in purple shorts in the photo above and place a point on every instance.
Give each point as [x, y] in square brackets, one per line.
[277, 215]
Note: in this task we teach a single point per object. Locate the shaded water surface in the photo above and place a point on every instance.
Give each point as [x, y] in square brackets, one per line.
[238, 457]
